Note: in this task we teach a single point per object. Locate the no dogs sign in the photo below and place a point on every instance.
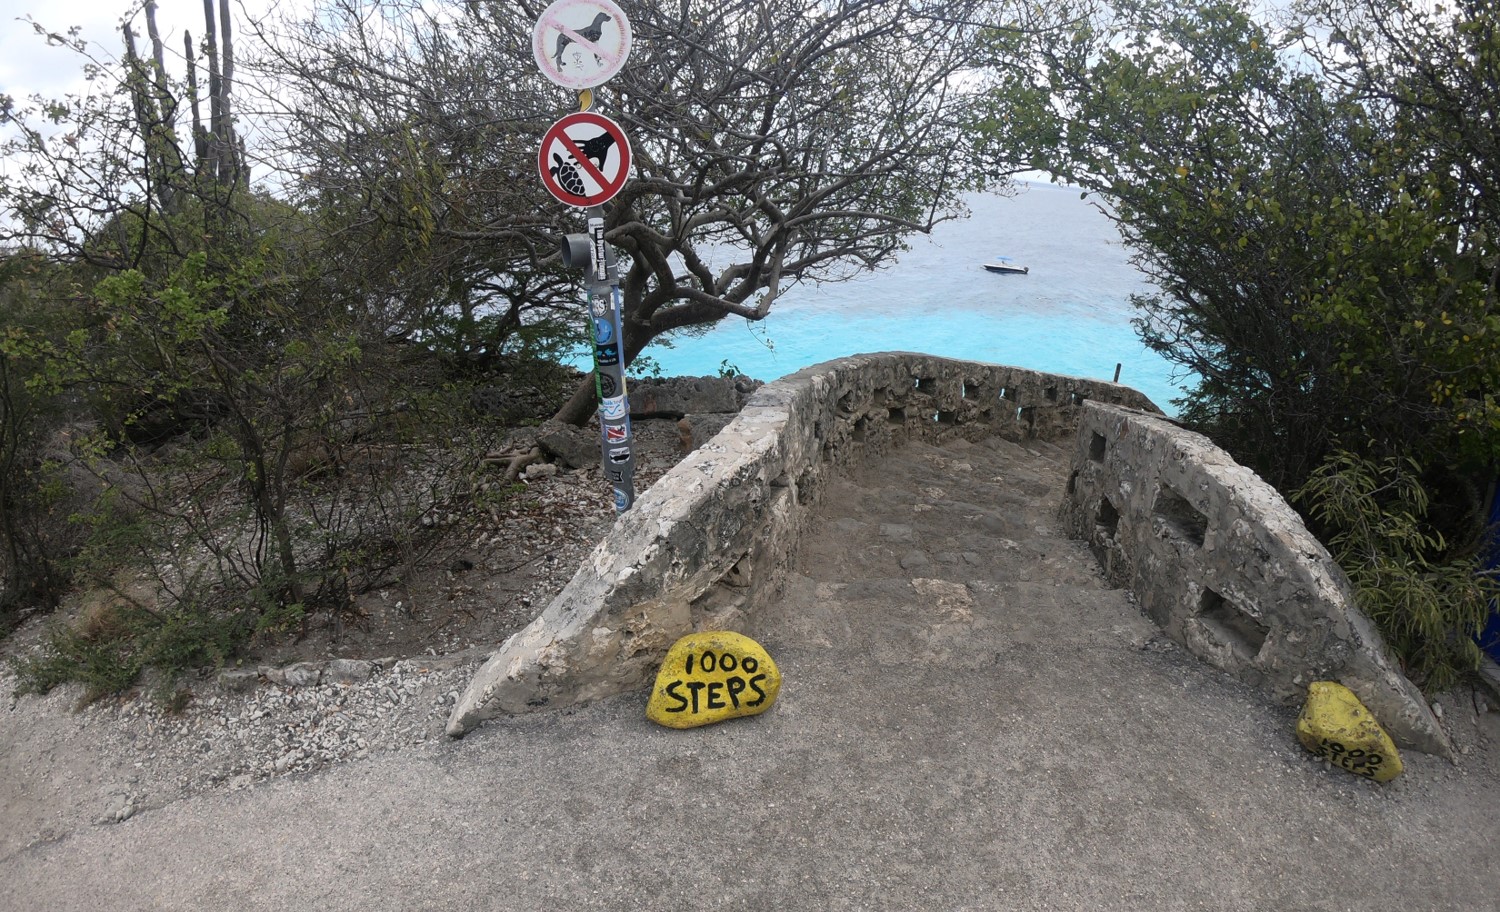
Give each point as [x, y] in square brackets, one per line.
[580, 44]
[584, 159]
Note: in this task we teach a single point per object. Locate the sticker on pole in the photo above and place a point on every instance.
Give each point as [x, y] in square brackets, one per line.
[584, 159]
[580, 44]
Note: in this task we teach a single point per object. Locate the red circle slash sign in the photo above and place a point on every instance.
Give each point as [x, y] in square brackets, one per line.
[584, 159]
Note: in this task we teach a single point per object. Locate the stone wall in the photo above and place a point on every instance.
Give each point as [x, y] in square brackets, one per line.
[705, 546]
[1218, 559]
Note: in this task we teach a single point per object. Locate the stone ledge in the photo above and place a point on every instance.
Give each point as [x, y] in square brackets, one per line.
[1220, 561]
[710, 542]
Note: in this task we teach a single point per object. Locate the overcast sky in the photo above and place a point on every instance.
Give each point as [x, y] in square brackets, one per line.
[28, 65]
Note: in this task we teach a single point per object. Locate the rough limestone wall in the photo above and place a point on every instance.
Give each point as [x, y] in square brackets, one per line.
[1218, 559]
[708, 543]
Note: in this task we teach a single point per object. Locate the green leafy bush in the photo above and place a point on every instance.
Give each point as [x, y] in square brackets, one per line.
[1428, 599]
[108, 649]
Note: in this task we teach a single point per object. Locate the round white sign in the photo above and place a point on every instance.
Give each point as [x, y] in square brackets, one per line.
[580, 44]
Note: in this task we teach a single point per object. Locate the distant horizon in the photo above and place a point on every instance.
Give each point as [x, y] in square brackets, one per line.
[1069, 316]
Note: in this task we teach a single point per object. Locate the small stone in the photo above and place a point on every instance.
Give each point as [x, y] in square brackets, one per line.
[541, 470]
[915, 560]
[349, 671]
[1437, 710]
[238, 680]
[713, 676]
[1338, 728]
[896, 532]
[301, 674]
[573, 446]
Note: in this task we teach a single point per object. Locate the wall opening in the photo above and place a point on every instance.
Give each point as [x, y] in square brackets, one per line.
[861, 428]
[1230, 626]
[947, 417]
[1007, 393]
[1097, 444]
[1051, 394]
[1181, 519]
[971, 390]
[895, 416]
[926, 385]
[1107, 520]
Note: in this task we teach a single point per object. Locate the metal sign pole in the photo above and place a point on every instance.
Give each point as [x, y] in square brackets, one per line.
[616, 444]
[583, 161]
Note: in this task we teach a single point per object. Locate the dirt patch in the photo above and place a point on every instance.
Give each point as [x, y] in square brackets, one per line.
[486, 583]
[496, 580]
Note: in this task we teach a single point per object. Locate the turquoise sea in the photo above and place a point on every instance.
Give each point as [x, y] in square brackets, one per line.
[1069, 315]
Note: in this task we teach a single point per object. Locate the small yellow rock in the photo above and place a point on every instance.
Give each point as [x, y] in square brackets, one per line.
[1337, 727]
[710, 677]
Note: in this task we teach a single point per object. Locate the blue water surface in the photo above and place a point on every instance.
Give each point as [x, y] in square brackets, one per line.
[1070, 315]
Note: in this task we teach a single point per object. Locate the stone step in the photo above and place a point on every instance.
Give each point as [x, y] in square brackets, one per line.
[949, 562]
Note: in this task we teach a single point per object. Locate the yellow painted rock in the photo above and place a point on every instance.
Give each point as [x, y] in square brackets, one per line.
[710, 677]
[1337, 727]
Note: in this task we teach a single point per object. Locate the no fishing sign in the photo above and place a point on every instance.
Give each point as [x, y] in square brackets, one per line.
[580, 44]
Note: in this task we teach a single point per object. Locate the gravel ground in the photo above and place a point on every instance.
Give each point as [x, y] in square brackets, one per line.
[64, 766]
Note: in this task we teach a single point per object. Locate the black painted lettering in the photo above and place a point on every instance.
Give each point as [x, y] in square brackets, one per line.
[690, 663]
[735, 686]
[708, 663]
[672, 693]
[695, 686]
[727, 662]
[713, 695]
[749, 665]
[755, 686]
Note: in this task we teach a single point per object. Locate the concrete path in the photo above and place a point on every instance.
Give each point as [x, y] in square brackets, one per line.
[970, 720]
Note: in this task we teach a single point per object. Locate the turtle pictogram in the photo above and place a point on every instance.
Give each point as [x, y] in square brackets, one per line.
[567, 176]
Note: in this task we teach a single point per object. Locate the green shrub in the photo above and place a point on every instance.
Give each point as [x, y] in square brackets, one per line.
[1428, 598]
[108, 649]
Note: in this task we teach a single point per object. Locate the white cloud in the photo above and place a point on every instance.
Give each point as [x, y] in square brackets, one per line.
[28, 65]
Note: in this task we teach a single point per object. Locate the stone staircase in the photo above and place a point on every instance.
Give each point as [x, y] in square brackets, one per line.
[948, 564]
[931, 497]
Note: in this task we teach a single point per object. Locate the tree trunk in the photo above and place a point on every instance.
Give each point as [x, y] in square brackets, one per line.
[200, 139]
[215, 112]
[229, 165]
[581, 406]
